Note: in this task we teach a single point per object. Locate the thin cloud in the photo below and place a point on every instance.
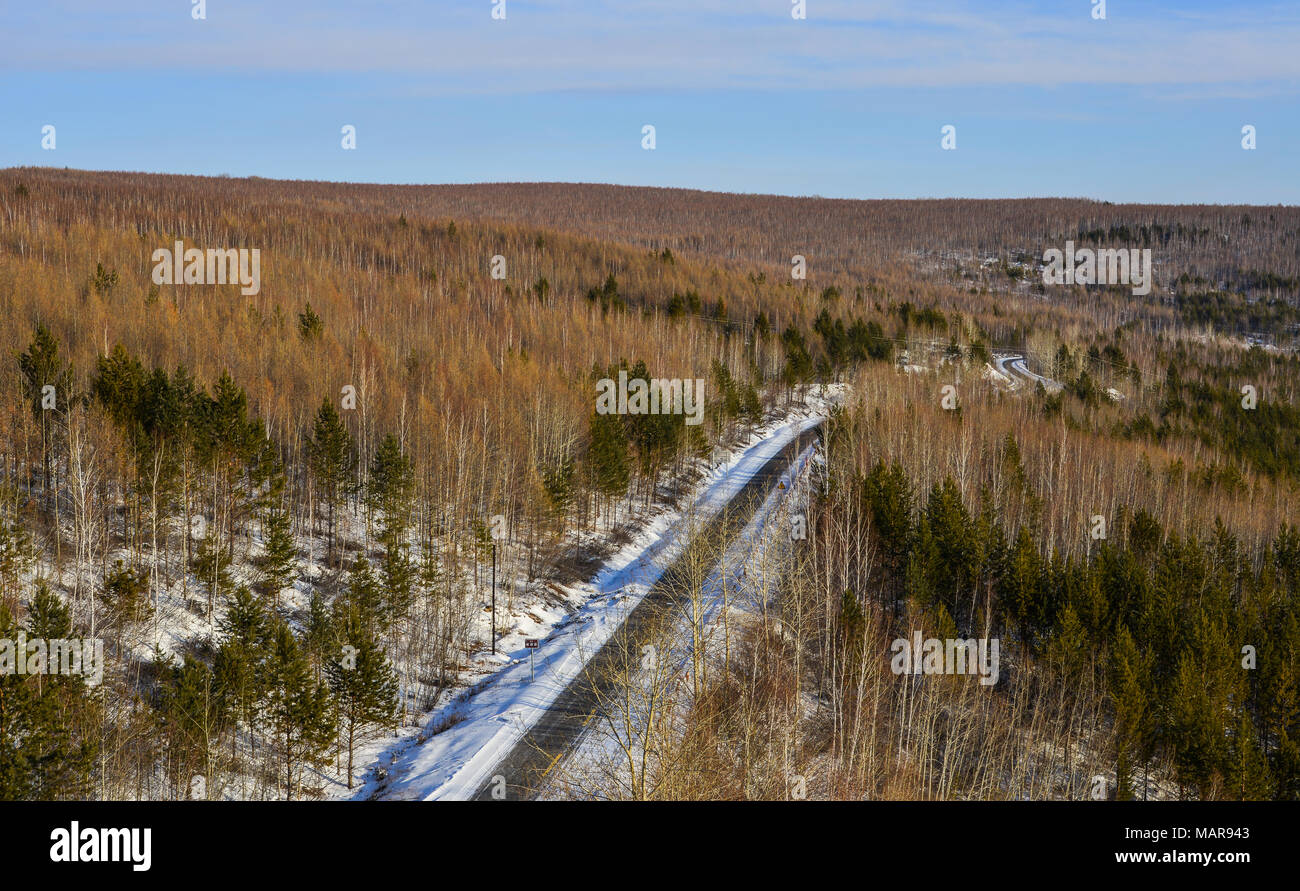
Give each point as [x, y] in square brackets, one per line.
[672, 44]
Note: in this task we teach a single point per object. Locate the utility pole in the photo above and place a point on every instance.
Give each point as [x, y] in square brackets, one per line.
[494, 598]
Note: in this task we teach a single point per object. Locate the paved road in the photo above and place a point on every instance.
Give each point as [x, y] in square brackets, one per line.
[527, 765]
[1013, 366]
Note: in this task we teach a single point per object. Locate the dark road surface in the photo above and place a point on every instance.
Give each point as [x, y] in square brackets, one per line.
[527, 765]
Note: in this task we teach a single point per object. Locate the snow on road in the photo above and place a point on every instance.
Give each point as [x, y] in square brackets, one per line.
[484, 724]
[1014, 368]
[736, 585]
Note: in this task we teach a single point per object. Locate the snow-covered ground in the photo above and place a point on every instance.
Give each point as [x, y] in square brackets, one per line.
[452, 756]
[738, 586]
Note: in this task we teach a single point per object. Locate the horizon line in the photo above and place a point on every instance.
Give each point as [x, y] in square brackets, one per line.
[483, 183]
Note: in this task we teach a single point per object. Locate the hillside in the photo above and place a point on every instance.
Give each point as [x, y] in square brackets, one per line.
[228, 481]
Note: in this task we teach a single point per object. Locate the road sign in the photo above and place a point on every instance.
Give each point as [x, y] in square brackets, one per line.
[530, 644]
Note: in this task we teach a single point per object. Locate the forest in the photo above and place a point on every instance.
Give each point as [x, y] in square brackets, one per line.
[278, 509]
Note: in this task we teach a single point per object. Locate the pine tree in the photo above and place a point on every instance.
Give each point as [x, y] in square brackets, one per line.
[390, 492]
[17, 554]
[297, 708]
[74, 713]
[1128, 679]
[852, 621]
[1021, 585]
[331, 455]
[1195, 732]
[212, 568]
[798, 363]
[43, 753]
[887, 492]
[240, 671]
[398, 576]
[1068, 649]
[955, 570]
[557, 482]
[1248, 776]
[24, 732]
[41, 366]
[229, 443]
[125, 595]
[367, 595]
[391, 487]
[192, 716]
[320, 636]
[280, 562]
[607, 456]
[310, 325]
[363, 682]
[118, 385]
[922, 562]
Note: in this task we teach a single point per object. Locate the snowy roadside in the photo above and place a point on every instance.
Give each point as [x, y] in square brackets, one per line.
[464, 739]
[738, 586]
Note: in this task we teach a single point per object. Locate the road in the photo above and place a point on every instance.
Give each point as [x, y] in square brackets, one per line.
[526, 766]
[1014, 367]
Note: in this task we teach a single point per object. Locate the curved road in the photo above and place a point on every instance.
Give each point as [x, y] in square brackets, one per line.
[1014, 367]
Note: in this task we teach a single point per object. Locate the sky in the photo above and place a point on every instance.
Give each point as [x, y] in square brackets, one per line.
[1147, 104]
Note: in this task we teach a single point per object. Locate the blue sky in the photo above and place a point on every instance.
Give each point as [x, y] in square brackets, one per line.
[1146, 105]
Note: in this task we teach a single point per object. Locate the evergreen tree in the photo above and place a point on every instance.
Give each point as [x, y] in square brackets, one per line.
[398, 576]
[888, 494]
[1195, 731]
[607, 456]
[192, 717]
[363, 682]
[391, 487]
[331, 455]
[212, 568]
[43, 753]
[367, 596]
[1021, 585]
[1068, 650]
[280, 562]
[390, 492]
[1128, 682]
[310, 325]
[557, 482]
[798, 363]
[955, 570]
[118, 386]
[320, 635]
[297, 708]
[228, 445]
[240, 671]
[41, 366]
[125, 595]
[17, 553]
[1248, 776]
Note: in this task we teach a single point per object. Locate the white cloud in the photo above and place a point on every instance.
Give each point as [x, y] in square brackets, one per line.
[671, 44]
